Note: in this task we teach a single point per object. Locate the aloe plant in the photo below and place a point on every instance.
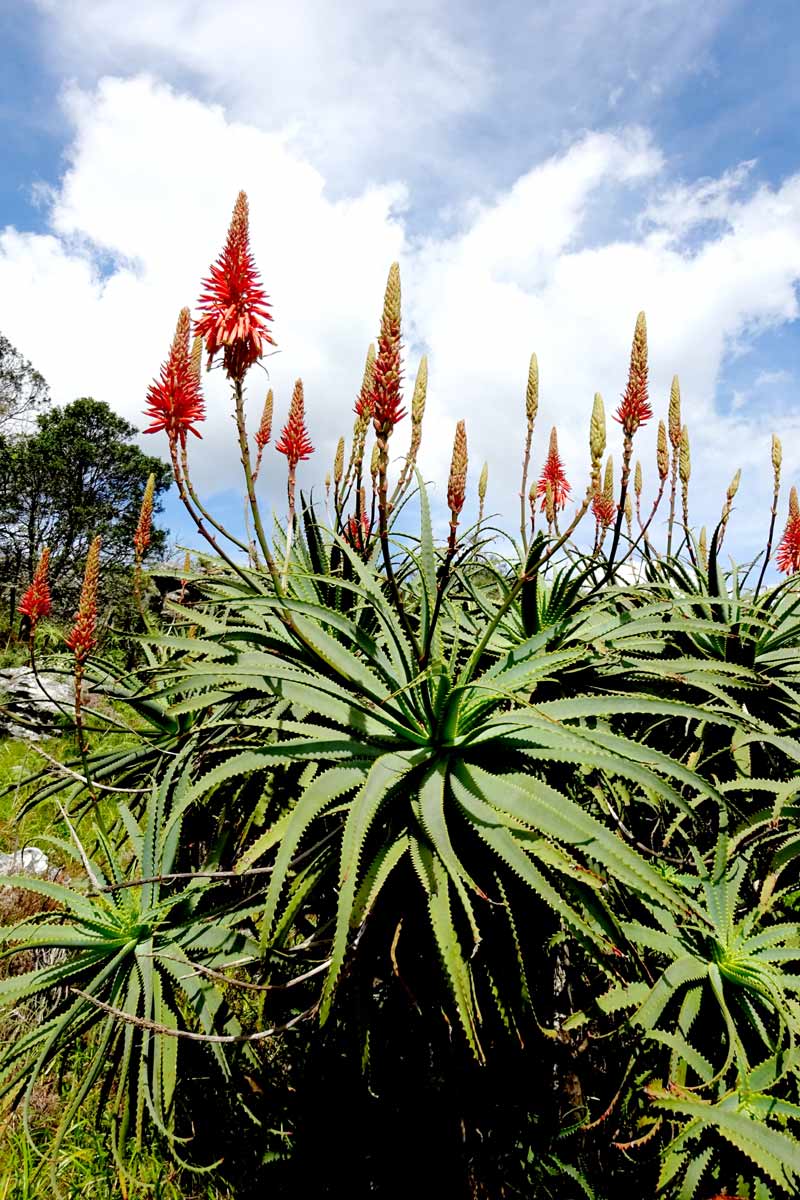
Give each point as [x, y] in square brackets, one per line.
[453, 809]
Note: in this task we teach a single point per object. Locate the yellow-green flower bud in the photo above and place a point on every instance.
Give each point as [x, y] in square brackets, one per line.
[597, 430]
[338, 462]
[608, 479]
[662, 452]
[532, 390]
[483, 482]
[420, 392]
[675, 413]
[685, 461]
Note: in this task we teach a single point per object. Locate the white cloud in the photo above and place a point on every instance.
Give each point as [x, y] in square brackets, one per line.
[771, 378]
[143, 209]
[684, 207]
[435, 89]
[348, 80]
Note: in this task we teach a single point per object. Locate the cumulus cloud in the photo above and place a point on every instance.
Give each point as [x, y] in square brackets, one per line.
[144, 204]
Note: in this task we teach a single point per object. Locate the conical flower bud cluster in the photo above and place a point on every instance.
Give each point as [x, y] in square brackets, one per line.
[457, 483]
[36, 602]
[83, 638]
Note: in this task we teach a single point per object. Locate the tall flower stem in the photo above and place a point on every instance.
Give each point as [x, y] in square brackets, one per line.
[531, 407]
[291, 484]
[627, 451]
[770, 540]
[675, 430]
[523, 493]
[417, 413]
[687, 531]
[673, 489]
[199, 506]
[456, 495]
[634, 410]
[244, 448]
[383, 532]
[363, 409]
[644, 528]
[685, 473]
[81, 640]
[198, 521]
[777, 456]
[445, 572]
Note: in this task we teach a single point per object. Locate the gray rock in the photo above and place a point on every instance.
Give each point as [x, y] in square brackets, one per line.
[28, 861]
[32, 706]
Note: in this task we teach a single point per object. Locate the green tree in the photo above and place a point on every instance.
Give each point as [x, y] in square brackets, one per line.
[22, 389]
[76, 475]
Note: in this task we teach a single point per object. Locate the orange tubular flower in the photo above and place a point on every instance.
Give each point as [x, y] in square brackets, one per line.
[36, 602]
[553, 474]
[174, 401]
[233, 303]
[82, 639]
[356, 533]
[788, 557]
[364, 404]
[604, 510]
[294, 441]
[635, 408]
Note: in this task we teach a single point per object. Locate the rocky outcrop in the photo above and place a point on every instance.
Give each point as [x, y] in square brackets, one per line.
[30, 708]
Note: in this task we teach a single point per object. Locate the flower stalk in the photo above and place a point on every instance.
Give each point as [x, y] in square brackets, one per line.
[531, 409]
[675, 430]
[417, 413]
[634, 410]
[141, 538]
[296, 445]
[685, 473]
[777, 460]
[483, 483]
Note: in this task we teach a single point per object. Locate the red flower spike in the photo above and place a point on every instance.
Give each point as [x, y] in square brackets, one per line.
[233, 303]
[294, 441]
[553, 474]
[387, 402]
[36, 602]
[604, 510]
[635, 408]
[174, 401]
[82, 639]
[788, 557]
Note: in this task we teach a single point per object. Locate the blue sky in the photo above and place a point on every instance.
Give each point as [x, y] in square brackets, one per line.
[565, 162]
